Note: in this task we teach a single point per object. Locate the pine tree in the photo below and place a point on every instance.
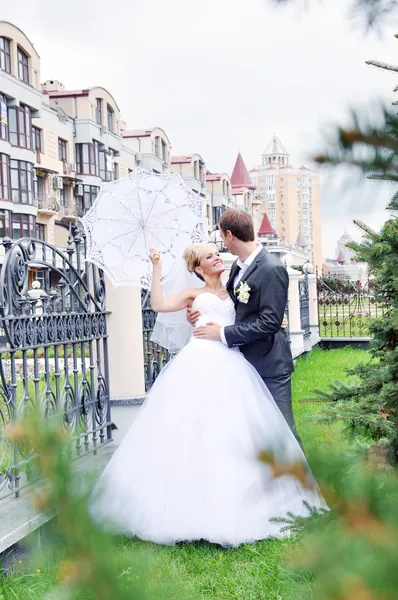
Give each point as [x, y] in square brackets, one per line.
[372, 403]
[351, 553]
[372, 12]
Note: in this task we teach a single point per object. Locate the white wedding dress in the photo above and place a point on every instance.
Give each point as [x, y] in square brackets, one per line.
[188, 467]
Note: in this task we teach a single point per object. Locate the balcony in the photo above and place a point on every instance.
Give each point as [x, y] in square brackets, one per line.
[88, 130]
[219, 200]
[70, 211]
[48, 205]
[196, 186]
[150, 162]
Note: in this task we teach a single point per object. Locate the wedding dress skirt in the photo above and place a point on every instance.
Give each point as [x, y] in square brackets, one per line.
[188, 468]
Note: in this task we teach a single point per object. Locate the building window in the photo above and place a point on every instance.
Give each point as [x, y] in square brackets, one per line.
[5, 193]
[23, 66]
[157, 147]
[108, 168]
[20, 127]
[217, 213]
[23, 226]
[90, 193]
[38, 187]
[36, 139]
[5, 55]
[98, 111]
[5, 222]
[62, 150]
[110, 117]
[164, 151]
[21, 181]
[64, 195]
[88, 159]
[196, 170]
[3, 118]
[41, 232]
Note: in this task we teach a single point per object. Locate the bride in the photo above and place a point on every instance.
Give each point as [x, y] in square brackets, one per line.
[188, 468]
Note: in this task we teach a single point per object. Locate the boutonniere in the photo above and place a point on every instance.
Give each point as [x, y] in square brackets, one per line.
[243, 292]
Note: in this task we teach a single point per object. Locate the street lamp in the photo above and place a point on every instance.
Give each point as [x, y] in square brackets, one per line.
[308, 268]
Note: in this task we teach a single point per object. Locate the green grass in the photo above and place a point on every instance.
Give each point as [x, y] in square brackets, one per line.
[51, 353]
[318, 370]
[206, 572]
[351, 319]
[347, 327]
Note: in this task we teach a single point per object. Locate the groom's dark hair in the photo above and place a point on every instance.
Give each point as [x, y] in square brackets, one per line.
[239, 223]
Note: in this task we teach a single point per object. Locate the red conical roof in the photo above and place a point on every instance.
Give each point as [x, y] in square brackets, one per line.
[340, 257]
[266, 227]
[240, 176]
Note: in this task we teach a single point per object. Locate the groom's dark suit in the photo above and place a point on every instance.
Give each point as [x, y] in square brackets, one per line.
[257, 330]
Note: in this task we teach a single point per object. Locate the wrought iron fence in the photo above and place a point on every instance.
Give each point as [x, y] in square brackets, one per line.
[304, 306]
[347, 308]
[155, 357]
[56, 357]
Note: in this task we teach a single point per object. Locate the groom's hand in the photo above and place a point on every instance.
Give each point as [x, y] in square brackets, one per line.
[210, 331]
[192, 316]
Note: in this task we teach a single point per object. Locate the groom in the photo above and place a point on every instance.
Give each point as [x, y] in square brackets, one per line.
[258, 284]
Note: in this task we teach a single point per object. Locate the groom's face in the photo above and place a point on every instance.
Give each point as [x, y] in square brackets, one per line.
[228, 240]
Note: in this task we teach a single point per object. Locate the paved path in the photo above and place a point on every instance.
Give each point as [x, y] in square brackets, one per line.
[18, 519]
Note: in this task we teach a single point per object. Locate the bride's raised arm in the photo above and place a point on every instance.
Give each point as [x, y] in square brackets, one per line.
[172, 303]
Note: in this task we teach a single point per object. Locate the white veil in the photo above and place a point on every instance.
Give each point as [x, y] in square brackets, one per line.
[172, 330]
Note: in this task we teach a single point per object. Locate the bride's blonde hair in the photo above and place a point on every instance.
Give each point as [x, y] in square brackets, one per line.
[194, 254]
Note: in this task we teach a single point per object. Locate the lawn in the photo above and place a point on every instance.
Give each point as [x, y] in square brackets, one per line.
[205, 572]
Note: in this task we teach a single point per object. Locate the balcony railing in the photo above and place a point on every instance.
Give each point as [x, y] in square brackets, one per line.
[71, 210]
[47, 203]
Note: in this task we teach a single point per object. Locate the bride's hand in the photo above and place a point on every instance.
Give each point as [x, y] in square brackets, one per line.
[154, 256]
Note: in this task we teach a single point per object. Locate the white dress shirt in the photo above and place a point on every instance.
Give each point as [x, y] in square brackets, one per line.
[243, 268]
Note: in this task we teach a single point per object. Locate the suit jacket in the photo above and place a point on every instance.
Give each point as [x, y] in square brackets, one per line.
[257, 330]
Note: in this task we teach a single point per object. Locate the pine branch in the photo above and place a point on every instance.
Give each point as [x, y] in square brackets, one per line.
[368, 230]
[380, 65]
[294, 524]
[393, 205]
[339, 391]
[384, 177]
[372, 12]
[375, 139]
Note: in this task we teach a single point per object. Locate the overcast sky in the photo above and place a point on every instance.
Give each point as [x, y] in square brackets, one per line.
[222, 75]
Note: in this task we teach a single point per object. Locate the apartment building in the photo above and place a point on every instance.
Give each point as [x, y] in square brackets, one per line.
[291, 198]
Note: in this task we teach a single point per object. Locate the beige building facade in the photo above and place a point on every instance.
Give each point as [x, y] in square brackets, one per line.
[219, 197]
[292, 200]
[57, 146]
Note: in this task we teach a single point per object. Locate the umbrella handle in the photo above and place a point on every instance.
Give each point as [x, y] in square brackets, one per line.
[157, 256]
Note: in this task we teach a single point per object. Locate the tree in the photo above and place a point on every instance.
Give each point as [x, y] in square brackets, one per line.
[372, 403]
[350, 553]
[373, 12]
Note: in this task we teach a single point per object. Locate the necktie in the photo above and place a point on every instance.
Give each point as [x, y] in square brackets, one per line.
[238, 270]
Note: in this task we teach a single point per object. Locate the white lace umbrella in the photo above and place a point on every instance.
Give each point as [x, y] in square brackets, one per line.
[136, 212]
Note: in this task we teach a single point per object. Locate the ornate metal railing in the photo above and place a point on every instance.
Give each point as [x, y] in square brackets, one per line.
[346, 308]
[48, 203]
[56, 358]
[304, 306]
[155, 357]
